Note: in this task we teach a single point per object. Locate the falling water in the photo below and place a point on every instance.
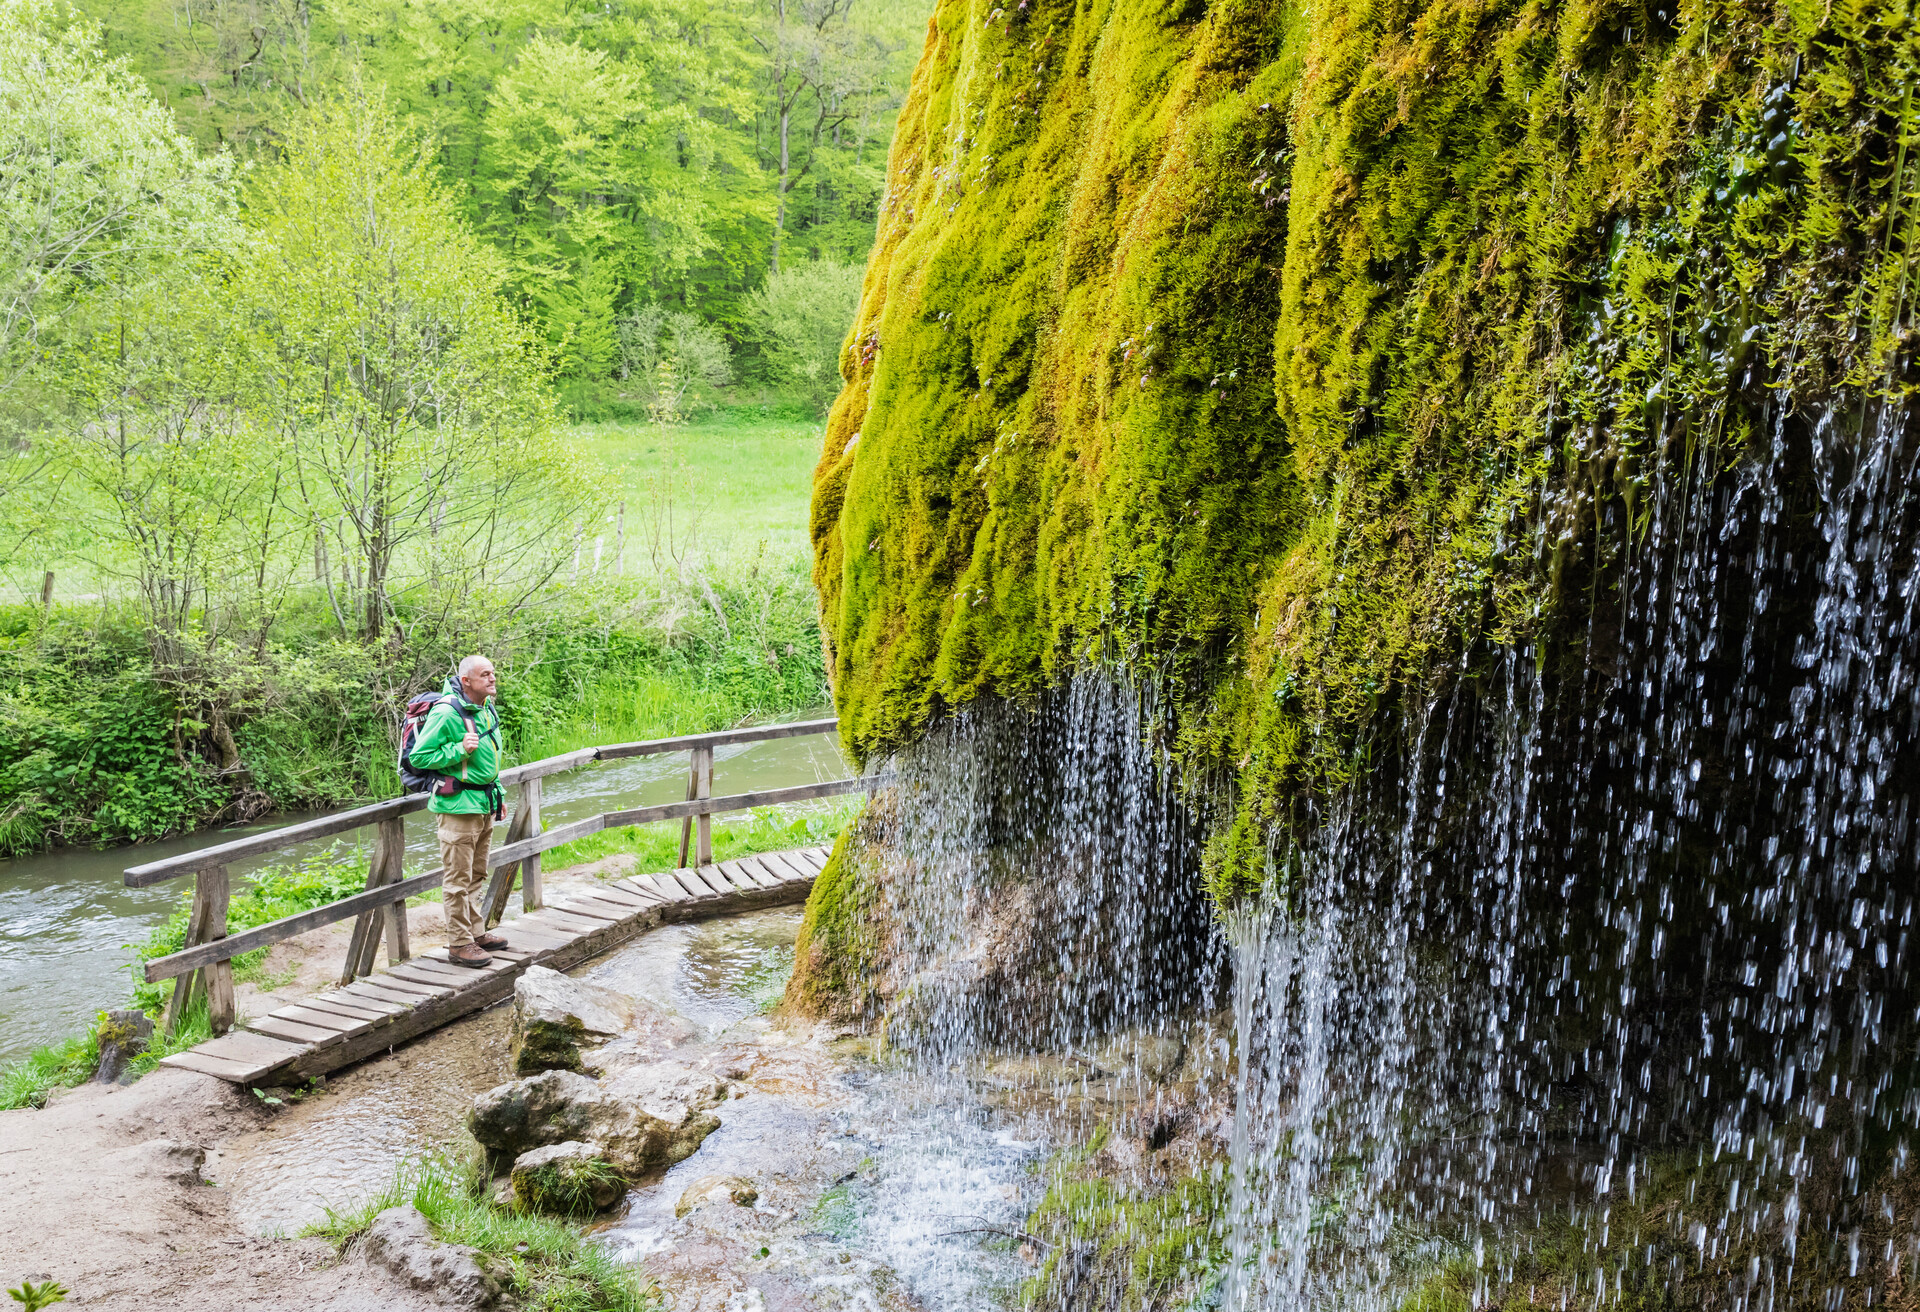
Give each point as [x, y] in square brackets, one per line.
[1617, 958]
[1041, 883]
[1593, 988]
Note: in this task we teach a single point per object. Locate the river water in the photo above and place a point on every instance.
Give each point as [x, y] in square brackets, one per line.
[71, 924]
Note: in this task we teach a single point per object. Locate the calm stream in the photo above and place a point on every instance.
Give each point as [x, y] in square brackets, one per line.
[71, 924]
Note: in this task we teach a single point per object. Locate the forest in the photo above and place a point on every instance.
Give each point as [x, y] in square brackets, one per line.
[339, 338]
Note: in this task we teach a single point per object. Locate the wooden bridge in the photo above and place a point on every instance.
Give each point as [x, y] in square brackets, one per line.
[374, 1010]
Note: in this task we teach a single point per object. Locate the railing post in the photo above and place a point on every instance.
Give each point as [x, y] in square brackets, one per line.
[525, 824]
[206, 922]
[392, 840]
[699, 784]
[384, 866]
[703, 766]
[532, 891]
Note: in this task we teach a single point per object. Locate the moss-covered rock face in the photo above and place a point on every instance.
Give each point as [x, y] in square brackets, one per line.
[1283, 352]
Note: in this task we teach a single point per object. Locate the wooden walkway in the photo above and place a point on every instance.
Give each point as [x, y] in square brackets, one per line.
[388, 1007]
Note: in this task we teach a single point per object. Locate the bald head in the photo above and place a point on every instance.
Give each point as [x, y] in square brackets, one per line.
[477, 679]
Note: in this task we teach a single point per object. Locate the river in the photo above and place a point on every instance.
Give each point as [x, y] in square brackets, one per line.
[72, 925]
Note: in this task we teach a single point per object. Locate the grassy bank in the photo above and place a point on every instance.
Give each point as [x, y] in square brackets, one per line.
[541, 1263]
[692, 610]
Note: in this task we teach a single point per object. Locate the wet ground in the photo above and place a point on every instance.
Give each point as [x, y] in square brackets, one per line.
[71, 924]
[870, 1188]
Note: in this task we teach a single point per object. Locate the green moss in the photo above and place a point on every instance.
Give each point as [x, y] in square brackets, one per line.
[1282, 354]
[834, 953]
[1135, 1248]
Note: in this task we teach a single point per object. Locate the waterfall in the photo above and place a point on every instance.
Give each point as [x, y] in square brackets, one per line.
[1592, 988]
[1618, 960]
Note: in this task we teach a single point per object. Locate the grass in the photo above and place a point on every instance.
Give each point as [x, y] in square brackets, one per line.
[73, 1060]
[742, 475]
[765, 829]
[543, 1263]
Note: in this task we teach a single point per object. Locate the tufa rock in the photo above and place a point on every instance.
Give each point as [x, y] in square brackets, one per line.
[557, 1018]
[717, 1189]
[644, 1119]
[401, 1241]
[123, 1036]
[568, 1179]
[1155, 1056]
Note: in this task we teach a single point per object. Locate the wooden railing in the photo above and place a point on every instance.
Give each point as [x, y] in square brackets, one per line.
[380, 911]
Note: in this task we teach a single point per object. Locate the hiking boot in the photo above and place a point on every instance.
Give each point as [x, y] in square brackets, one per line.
[491, 940]
[468, 955]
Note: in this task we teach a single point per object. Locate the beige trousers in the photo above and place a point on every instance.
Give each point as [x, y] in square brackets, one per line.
[464, 841]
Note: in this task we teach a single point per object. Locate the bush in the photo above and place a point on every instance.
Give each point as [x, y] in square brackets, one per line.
[671, 361]
[801, 317]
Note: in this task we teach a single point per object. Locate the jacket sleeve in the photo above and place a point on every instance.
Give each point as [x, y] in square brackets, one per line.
[438, 746]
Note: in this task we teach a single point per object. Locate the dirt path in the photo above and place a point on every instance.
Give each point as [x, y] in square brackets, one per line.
[100, 1191]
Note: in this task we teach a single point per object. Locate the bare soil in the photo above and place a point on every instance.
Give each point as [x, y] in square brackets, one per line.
[94, 1194]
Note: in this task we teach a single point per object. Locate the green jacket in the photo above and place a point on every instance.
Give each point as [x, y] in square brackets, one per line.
[438, 748]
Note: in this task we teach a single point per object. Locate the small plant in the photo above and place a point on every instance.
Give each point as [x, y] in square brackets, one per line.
[35, 1297]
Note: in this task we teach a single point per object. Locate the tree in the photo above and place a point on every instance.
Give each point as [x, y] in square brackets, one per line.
[95, 187]
[801, 316]
[414, 401]
[820, 70]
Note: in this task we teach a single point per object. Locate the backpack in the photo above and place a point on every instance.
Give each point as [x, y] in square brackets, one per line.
[424, 781]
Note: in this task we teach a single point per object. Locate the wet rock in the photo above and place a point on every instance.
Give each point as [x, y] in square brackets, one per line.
[558, 1019]
[643, 1119]
[552, 1107]
[569, 1179]
[1155, 1056]
[717, 1189]
[400, 1241]
[123, 1036]
[160, 1159]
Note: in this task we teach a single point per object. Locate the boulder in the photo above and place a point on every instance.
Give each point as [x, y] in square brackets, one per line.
[717, 1189]
[569, 1179]
[641, 1120]
[123, 1036]
[551, 1107]
[401, 1242]
[558, 1019]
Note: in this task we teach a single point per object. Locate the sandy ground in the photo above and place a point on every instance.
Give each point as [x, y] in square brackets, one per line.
[99, 1190]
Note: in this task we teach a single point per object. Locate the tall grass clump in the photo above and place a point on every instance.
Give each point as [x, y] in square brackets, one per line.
[542, 1263]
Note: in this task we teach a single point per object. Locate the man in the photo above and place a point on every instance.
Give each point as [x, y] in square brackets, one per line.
[461, 739]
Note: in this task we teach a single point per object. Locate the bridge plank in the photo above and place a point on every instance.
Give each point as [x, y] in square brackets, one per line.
[771, 874]
[321, 1018]
[575, 924]
[714, 880]
[193, 1059]
[358, 1008]
[665, 890]
[372, 989]
[293, 1031]
[620, 911]
[611, 892]
[787, 870]
[575, 904]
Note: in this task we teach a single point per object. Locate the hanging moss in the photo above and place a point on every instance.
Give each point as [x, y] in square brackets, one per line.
[834, 954]
[1282, 353]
